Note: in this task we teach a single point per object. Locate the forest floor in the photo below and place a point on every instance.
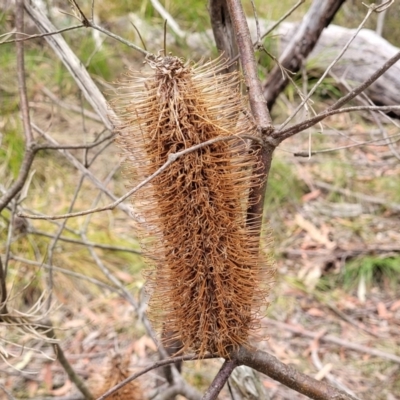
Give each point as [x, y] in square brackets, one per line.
[335, 304]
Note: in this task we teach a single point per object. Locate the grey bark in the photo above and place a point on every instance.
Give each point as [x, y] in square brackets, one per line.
[223, 30]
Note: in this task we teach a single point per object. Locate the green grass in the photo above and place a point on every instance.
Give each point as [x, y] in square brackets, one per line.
[11, 150]
[283, 185]
[383, 271]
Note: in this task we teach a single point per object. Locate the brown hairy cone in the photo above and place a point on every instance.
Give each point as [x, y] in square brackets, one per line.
[118, 371]
[208, 280]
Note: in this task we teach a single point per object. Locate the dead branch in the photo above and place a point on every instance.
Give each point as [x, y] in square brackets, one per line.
[19, 23]
[328, 68]
[40, 35]
[23, 174]
[3, 288]
[258, 108]
[64, 271]
[306, 36]
[82, 243]
[289, 376]
[49, 331]
[220, 380]
[280, 20]
[317, 363]
[80, 167]
[29, 156]
[71, 107]
[91, 92]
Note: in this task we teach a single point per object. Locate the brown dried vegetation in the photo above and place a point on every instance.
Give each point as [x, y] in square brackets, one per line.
[208, 279]
[117, 372]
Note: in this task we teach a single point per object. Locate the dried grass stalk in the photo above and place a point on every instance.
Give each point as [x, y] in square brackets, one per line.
[208, 280]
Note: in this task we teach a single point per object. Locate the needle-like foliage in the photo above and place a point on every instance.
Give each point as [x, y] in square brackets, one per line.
[208, 279]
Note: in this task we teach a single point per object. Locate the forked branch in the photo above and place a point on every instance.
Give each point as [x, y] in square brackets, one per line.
[289, 376]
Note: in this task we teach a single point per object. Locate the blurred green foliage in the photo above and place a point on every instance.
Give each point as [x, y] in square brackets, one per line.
[373, 270]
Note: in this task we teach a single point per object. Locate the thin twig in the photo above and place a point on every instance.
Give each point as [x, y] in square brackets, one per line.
[98, 197]
[23, 174]
[83, 18]
[88, 164]
[257, 43]
[374, 142]
[365, 100]
[3, 288]
[303, 39]
[127, 295]
[288, 132]
[40, 35]
[53, 243]
[19, 22]
[73, 146]
[82, 78]
[120, 39]
[7, 393]
[67, 366]
[66, 272]
[287, 14]
[317, 362]
[91, 244]
[80, 167]
[71, 107]
[171, 159]
[155, 365]
[258, 32]
[335, 340]
[111, 277]
[346, 318]
[9, 236]
[326, 72]
[167, 17]
[27, 161]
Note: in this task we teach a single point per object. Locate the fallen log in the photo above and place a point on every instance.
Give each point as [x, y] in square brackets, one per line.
[364, 56]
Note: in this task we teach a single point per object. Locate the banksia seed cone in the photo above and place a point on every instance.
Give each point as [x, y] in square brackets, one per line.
[117, 372]
[207, 282]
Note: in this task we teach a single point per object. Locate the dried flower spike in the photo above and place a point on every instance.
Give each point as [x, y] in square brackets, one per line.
[117, 371]
[208, 279]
